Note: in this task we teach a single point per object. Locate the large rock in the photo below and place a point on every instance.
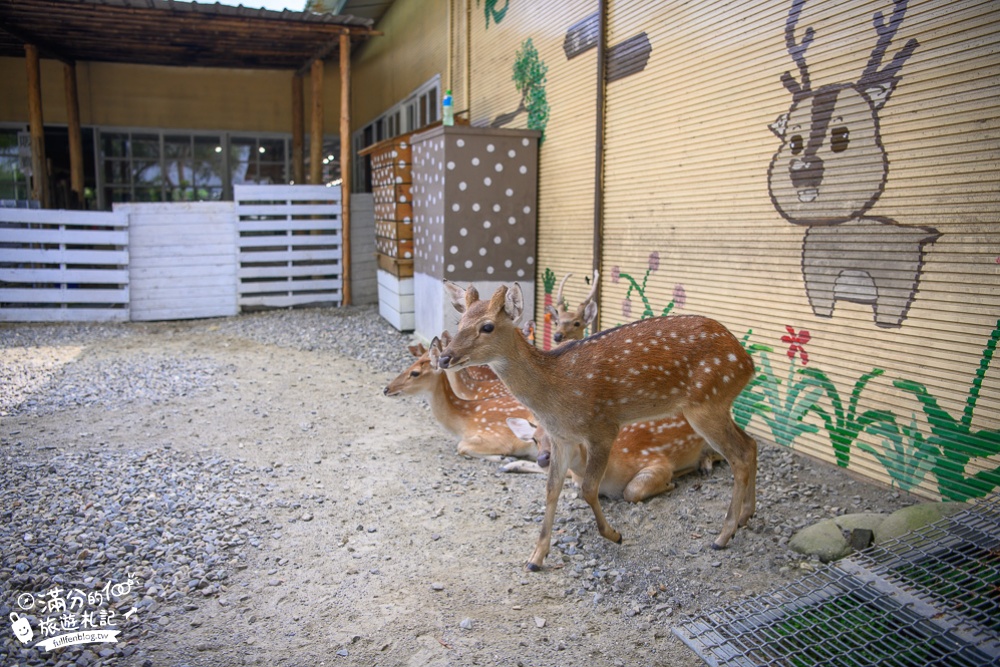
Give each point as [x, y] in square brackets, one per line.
[824, 539]
[828, 539]
[913, 517]
[868, 520]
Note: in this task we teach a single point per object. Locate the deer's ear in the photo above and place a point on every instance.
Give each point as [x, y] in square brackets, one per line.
[521, 428]
[879, 93]
[417, 350]
[590, 313]
[514, 303]
[456, 294]
[779, 125]
[471, 296]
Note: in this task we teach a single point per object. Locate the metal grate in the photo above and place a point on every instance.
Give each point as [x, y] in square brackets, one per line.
[931, 597]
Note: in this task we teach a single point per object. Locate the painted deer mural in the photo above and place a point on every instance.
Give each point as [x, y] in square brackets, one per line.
[831, 169]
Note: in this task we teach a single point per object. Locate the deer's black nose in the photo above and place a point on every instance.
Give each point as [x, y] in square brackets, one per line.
[557, 336]
[807, 171]
[444, 361]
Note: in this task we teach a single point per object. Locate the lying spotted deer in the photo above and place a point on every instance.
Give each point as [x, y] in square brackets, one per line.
[481, 425]
[645, 457]
[649, 369]
[570, 325]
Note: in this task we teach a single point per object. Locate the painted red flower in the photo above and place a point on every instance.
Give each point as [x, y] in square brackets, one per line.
[627, 308]
[615, 274]
[796, 343]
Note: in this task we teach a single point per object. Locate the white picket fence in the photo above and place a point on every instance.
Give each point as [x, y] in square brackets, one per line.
[290, 244]
[63, 266]
[275, 246]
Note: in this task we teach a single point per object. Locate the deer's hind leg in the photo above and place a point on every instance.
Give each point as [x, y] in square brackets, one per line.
[598, 454]
[716, 425]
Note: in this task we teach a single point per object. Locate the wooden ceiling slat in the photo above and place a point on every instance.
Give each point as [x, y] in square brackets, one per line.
[172, 33]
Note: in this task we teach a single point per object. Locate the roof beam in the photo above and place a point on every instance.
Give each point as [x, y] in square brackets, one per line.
[44, 48]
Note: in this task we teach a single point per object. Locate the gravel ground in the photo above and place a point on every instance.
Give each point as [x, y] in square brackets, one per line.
[237, 492]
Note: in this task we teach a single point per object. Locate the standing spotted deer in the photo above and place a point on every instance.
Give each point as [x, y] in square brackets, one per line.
[570, 325]
[586, 391]
[831, 169]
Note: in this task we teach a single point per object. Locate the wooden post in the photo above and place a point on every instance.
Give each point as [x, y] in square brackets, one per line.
[39, 171]
[298, 131]
[316, 131]
[75, 136]
[345, 162]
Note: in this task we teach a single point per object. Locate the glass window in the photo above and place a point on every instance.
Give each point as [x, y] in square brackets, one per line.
[13, 182]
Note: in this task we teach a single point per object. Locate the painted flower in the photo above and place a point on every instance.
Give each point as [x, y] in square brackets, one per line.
[654, 260]
[680, 296]
[615, 274]
[796, 344]
[627, 309]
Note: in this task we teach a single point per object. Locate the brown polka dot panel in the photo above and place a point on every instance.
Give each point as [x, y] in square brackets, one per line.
[474, 195]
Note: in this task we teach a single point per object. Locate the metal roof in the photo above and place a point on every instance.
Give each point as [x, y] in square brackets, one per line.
[169, 32]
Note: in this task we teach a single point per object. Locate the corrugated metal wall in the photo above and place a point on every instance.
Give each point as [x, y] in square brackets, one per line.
[566, 115]
[868, 290]
[689, 216]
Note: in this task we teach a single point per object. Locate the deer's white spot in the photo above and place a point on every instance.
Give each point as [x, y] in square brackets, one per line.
[731, 357]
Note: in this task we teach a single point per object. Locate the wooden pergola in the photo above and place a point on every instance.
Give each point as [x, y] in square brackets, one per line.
[169, 32]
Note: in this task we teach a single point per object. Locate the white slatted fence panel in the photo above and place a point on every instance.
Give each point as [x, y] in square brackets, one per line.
[61, 266]
[290, 245]
[183, 260]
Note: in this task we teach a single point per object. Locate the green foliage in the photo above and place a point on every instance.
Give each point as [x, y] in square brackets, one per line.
[844, 424]
[905, 454]
[783, 414]
[490, 9]
[529, 79]
[549, 280]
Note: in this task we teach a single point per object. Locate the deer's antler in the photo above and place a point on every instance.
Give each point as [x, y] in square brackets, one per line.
[798, 51]
[886, 33]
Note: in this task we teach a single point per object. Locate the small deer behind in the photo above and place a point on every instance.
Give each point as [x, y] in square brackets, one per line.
[570, 325]
[481, 425]
[586, 391]
[645, 457]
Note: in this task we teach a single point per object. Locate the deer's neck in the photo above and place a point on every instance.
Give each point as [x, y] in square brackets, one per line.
[530, 374]
[448, 408]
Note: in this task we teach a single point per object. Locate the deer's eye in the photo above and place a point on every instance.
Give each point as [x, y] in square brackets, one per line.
[839, 139]
[795, 143]
[414, 374]
[487, 328]
[576, 324]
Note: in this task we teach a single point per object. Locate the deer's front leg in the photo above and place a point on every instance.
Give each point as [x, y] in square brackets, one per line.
[598, 453]
[559, 464]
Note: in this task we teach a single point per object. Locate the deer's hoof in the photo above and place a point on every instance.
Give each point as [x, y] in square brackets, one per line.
[718, 547]
[531, 567]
